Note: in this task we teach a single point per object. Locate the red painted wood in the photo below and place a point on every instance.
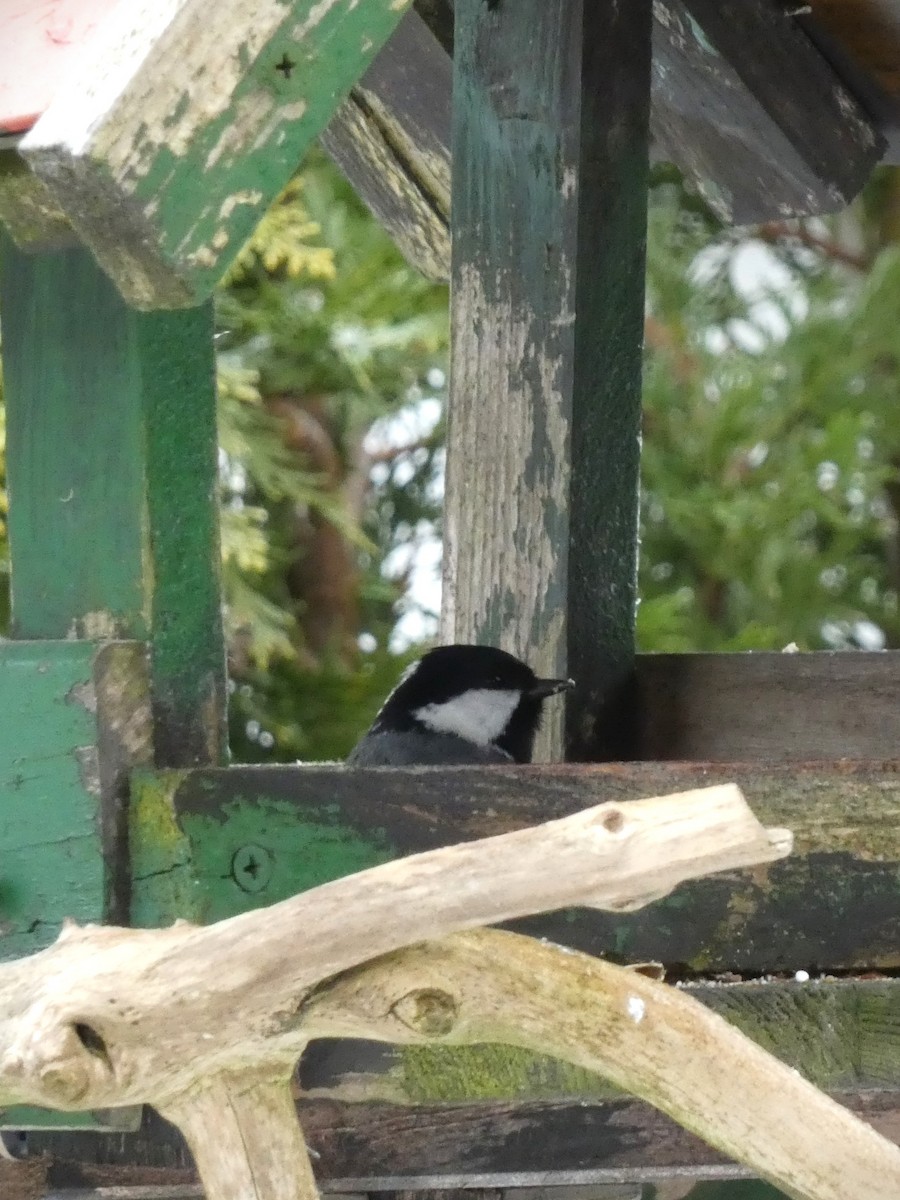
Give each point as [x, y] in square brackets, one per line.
[39, 42]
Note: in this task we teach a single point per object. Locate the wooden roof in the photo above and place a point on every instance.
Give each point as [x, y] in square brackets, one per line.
[773, 107]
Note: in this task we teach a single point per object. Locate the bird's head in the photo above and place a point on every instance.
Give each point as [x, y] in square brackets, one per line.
[477, 693]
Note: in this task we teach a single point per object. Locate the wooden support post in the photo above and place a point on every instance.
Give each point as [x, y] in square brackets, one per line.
[111, 417]
[549, 226]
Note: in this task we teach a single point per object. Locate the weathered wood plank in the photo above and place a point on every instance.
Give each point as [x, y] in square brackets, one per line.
[549, 225]
[177, 131]
[77, 719]
[60, 823]
[363, 1147]
[112, 474]
[749, 107]
[832, 904]
[74, 432]
[768, 707]
[391, 138]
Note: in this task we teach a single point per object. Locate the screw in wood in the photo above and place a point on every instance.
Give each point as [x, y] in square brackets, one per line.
[251, 868]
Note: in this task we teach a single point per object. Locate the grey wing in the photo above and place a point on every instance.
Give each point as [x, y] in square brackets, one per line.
[411, 749]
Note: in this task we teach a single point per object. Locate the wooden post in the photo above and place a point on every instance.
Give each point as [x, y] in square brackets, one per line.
[111, 467]
[549, 226]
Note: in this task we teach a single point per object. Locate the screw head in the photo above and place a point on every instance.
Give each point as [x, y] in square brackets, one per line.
[251, 868]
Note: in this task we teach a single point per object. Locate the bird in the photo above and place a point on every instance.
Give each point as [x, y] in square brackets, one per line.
[458, 704]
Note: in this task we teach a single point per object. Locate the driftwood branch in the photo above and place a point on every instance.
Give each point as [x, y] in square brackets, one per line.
[652, 1040]
[206, 1024]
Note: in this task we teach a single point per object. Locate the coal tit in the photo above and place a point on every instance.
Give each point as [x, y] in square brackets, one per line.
[458, 704]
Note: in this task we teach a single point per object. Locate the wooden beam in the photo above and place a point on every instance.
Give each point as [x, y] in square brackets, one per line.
[177, 132]
[768, 708]
[832, 904]
[391, 138]
[77, 719]
[111, 442]
[370, 1146]
[178, 384]
[74, 432]
[549, 226]
[744, 102]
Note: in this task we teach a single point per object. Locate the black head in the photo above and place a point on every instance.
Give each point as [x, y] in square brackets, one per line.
[478, 693]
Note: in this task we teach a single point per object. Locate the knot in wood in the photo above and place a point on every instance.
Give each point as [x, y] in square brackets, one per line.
[612, 820]
[65, 1080]
[428, 1011]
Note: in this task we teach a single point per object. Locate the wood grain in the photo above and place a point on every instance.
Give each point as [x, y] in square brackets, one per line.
[370, 1146]
[833, 904]
[549, 217]
[768, 708]
[744, 101]
[391, 138]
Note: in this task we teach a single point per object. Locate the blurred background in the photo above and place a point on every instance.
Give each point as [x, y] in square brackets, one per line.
[771, 459]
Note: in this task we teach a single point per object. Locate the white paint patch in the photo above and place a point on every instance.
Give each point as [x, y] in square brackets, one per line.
[636, 1009]
[479, 715]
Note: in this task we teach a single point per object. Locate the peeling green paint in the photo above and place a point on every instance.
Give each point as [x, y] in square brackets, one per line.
[184, 837]
[49, 821]
[148, 187]
[305, 849]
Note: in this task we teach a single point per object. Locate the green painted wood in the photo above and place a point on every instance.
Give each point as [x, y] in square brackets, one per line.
[833, 904]
[191, 127]
[112, 475]
[549, 225]
[188, 646]
[74, 449]
[76, 719]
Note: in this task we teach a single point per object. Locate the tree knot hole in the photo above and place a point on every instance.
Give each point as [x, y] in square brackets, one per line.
[613, 821]
[428, 1011]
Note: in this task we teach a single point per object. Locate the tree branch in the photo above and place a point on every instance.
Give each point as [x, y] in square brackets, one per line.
[652, 1040]
[206, 1024]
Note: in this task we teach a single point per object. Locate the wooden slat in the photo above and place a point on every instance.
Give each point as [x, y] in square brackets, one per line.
[835, 903]
[391, 138]
[367, 1147]
[112, 472]
[744, 101]
[76, 719]
[74, 431]
[60, 820]
[768, 708]
[549, 224]
[187, 128]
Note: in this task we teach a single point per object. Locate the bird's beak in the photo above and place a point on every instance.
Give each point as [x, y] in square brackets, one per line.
[542, 688]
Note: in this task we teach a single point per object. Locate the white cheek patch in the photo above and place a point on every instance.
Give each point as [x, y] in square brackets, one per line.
[479, 715]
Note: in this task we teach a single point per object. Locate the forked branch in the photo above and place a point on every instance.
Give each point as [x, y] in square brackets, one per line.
[206, 1023]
